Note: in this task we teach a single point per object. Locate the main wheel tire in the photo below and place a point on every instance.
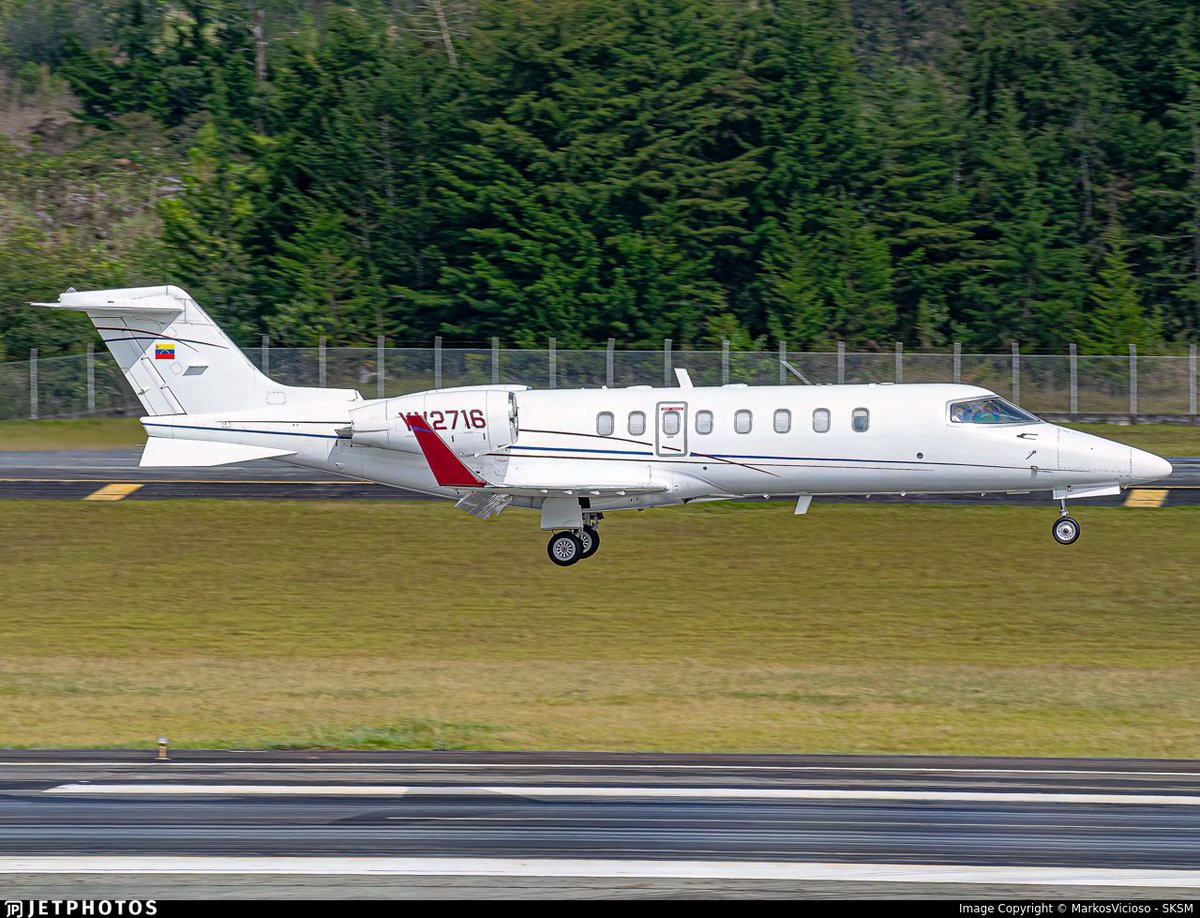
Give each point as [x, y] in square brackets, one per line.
[564, 548]
[1065, 530]
[590, 537]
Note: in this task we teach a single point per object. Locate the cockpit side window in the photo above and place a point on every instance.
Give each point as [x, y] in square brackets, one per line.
[991, 409]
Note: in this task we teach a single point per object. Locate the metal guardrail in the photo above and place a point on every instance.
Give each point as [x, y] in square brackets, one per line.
[1069, 384]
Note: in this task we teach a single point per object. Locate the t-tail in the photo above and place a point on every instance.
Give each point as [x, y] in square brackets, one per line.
[180, 363]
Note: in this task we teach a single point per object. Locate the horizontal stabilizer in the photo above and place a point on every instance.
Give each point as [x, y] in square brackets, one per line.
[128, 301]
[163, 453]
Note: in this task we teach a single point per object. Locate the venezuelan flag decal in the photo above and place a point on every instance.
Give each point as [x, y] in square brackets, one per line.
[164, 351]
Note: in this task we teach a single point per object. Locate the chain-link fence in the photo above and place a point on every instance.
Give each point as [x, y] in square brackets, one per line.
[1131, 384]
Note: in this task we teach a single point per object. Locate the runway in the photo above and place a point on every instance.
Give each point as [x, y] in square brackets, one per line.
[79, 475]
[558, 824]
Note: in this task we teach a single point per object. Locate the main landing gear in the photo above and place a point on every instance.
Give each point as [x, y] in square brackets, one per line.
[565, 548]
[1065, 528]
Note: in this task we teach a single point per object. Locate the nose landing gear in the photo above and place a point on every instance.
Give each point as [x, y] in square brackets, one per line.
[566, 548]
[1066, 528]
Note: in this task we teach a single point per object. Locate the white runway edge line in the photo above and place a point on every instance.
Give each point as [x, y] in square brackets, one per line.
[537, 766]
[706, 793]
[544, 867]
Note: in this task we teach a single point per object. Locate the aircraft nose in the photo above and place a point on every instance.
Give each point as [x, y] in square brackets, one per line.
[1146, 466]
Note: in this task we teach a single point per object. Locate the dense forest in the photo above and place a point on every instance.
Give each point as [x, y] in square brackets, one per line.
[984, 171]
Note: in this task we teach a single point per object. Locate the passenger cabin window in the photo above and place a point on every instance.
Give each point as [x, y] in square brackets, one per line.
[783, 420]
[704, 422]
[742, 421]
[671, 423]
[821, 420]
[637, 423]
[990, 410]
[860, 420]
[605, 423]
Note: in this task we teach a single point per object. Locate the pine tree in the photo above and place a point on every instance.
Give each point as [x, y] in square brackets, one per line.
[826, 271]
[603, 181]
[925, 206]
[1117, 318]
[206, 228]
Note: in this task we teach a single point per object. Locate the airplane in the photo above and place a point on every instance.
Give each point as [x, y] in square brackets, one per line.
[576, 455]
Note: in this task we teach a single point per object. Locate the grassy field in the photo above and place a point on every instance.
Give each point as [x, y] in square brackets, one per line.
[382, 625]
[83, 433]
[1163, 439]
[115, 433]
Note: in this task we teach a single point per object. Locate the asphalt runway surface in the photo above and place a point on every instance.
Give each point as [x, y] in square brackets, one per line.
[75, 475]
[300, 824]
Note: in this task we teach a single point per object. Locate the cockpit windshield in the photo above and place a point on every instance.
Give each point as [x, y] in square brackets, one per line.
[991, 409]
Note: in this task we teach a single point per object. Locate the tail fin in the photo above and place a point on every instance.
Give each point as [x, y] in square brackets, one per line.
[176, 357]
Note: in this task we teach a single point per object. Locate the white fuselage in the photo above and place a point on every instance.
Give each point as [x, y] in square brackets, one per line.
[777, 445]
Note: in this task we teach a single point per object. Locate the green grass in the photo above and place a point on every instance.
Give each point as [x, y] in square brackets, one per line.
[115, 433]
[1163, 439]
[85, 433]
[718, 627]
[407, 734]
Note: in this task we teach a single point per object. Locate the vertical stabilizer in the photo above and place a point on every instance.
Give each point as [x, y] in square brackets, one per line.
[176, 357]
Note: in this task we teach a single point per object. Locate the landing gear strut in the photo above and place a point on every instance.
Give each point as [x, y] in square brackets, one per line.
[1065, 528]
[566, 548]
[590, 534]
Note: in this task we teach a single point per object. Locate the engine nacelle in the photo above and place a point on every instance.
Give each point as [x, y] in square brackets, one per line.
[472, 420]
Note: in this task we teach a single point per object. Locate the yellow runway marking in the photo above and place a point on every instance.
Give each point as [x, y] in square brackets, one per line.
[113, 492]
[282, 481]
[1146, 497]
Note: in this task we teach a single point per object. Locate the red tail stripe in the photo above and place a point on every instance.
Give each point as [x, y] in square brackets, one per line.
[447, 468]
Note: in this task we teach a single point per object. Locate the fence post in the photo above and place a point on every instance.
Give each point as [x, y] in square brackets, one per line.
[495, 361]
[608, 362]
[1133, 379]
[91, 377]
[899, 361]
[1016, 373]
[264, 358]
[33, 384]
[724, 361]
[379, 368]
[667, 362]
[841, 362]
[782, 361]
[957, 361]
[321, 362]
[1192, 379]
[1074, 361]
[437, 362]
[553, 363]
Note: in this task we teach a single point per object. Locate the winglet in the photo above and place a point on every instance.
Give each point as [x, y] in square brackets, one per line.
[447, 468]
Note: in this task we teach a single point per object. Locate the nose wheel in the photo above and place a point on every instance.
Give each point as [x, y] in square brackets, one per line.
[1066, 528]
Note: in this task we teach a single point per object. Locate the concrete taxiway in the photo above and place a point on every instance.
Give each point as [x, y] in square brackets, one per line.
[557, 824]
